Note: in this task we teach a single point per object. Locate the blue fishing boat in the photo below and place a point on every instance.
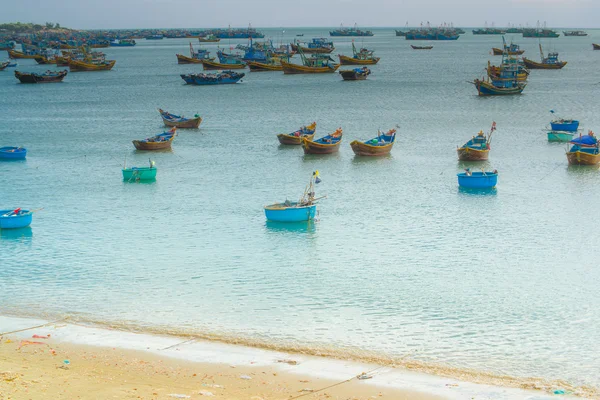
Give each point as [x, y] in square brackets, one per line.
[123, 43]
[13, 153]
[15, 218]
[477, 180]
[256, 52]
[296, 211]
[565, 125]
[221, 78]
[585, 150]
[155, 37]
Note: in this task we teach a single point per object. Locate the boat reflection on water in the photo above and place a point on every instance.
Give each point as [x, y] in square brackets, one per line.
[19, 234]
[303, 227]
[477, 191]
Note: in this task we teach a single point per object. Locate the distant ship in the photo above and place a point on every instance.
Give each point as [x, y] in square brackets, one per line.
[350, 32]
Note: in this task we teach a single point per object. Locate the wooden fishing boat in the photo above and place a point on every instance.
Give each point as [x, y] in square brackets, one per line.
[495, 72]
[289, 68]
[488, 89]
[256, 66]
[4, 65]
[15, 218]
[378, 146]
[356, 74]
[317, 46]
[362, 57]
[13, 153]
[513, 49]
[158, 142]
[477, 180]
[45, 60]
[212, 65]
[20, 54]
[181, 59]
[180, 122]
[421, 47]
[585, 150]
[478, 148]
[325, 145]
[292, 211]
[196, 56]
[295, 138]
[221, 78]
[136, 174]
[596, 46]
[76, 65]
[47, 77]
[550, 62]
[62, 61]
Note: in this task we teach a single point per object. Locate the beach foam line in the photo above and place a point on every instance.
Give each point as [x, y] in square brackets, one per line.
[200, 350]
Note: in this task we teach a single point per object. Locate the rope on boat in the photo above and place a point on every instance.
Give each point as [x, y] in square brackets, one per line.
[335, 384]
[34, 327]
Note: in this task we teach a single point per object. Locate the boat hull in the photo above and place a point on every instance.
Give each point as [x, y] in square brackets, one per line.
[181, 59]
[536, 65]
[311, 147]
[18, 54]
[77, 66]
[150, 146]
[12, 153]
[498, 52]
[256, 66]
[596, 46]
[289, 68]
[478, 180]
[192, 123]
[211, 65]
[293, 140]
[32, 78]
[570, 127]
[22, 220]
[560, 136]
[313, 50]
[421, 47]
[280, 213]
[139, 174]
[44, 60]
[583, 158]
[487, 89]
[363, 149]
[345, 60]
[470, 154]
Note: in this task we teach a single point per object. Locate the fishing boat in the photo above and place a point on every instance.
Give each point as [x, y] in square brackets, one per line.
[477, 180]
[325, 145]
[13, 153]
[356, 74]
[15, 218]
[362, 57]
[155, 37]
[220, 78]
[488, 31]
[566, 125]
[316, 46]
[315, 64]
[180, 122]
[45, 60]
[295, 138]
[350, 32]
[272, 64]
[209, 39]
[159, 142]
[496, 72]
[585, 150]
[7, 46]
[291, 211]
[196, 56]
[123, 43]
[226, 61]
[421, 47]
[12, 64]
[539, 33]
[575, 33]
[400, 33]
[20, 54]
[478, 148]
[4, 65]
[378, 146]
[136, 174]
[46, 77]
[550, 62]
[595, 46]
[77, 66]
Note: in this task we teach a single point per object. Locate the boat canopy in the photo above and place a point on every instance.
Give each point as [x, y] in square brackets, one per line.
[585, 140]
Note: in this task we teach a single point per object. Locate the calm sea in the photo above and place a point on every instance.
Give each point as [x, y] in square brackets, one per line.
[400, 263]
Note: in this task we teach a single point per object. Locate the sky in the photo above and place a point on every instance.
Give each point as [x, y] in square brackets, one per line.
[113, 14]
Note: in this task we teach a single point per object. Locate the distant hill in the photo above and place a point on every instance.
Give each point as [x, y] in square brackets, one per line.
[19, 27]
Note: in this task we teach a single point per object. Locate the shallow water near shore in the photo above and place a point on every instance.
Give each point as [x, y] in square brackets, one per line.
[401, 263]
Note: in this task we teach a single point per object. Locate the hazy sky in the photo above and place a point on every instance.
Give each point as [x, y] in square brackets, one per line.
[286, 13]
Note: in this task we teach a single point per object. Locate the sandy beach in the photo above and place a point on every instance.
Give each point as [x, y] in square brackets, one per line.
[66, 361]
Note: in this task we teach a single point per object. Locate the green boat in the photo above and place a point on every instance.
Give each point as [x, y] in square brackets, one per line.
[555, 136]
[135, 174]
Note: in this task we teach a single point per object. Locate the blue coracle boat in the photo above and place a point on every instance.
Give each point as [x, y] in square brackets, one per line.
[15, 218]
[13, 153]
[477, 180]
[565, 125]
[303, 210]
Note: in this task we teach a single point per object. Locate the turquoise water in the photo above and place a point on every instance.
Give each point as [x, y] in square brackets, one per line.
[400, 263]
